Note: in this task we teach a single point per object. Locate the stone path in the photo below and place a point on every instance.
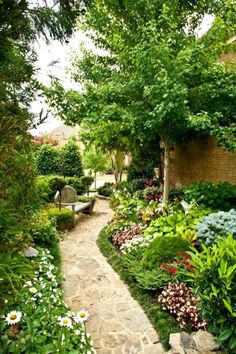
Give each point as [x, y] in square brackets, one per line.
[117, 324]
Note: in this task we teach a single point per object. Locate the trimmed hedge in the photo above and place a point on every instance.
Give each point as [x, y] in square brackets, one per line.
[64, 218]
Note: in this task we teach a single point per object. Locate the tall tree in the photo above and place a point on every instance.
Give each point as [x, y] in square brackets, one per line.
[153, 69]
[21, 23]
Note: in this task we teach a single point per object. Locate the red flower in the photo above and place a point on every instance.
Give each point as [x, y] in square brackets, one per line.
[180, 253]
[173, 270]
[187, 256]
[164, 266]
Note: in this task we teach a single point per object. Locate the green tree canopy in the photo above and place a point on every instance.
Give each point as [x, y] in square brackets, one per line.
[71, 163]
[151, 78]
[48, 160]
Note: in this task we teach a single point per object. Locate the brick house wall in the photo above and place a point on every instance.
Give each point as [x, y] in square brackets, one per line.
[202, 160]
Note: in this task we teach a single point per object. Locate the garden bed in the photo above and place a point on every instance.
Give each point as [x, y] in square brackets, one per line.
[178, 258]
[37, 318]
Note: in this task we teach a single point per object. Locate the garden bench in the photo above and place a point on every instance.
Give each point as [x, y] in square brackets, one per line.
[69, 200]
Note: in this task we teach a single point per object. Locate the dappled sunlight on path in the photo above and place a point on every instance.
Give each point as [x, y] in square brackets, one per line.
[117, 324]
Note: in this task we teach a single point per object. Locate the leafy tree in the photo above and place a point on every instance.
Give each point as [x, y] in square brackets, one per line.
[21, 23]
[154, 72]
[96, 161]
[71, 164]
[48, 160]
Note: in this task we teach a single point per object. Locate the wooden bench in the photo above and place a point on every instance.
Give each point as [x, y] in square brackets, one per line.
[69, 200]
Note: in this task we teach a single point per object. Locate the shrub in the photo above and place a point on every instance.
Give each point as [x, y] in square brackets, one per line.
[163, 249]
[136, 185]
[71, 164]
[179, 300]
[216, 224]
[85, 199]
[106, 190]
[214, 280]
[77, 184]
[87, 182]
[64, 218]
[48, 160]
[43, 230]
[221, 196]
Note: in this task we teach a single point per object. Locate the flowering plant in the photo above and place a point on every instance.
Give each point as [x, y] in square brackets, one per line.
[39, 318]
[179, 300]
[178, 267]
[151, 193]
[129, 232]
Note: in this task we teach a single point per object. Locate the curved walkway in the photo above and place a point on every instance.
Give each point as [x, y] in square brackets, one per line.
[117, 324]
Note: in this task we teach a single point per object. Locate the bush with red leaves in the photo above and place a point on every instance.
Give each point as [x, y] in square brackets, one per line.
[179, 300]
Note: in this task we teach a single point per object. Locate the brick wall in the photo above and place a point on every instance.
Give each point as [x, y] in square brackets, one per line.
[202, 160]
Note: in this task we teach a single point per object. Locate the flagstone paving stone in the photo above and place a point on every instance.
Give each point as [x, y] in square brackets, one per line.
[118, 325]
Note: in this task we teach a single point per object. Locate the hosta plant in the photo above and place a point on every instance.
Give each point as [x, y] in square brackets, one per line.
[179, 300]
[179, 223]
[216, 224]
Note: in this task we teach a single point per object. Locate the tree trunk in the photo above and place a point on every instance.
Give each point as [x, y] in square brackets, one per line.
[95, 180]
[166, 172]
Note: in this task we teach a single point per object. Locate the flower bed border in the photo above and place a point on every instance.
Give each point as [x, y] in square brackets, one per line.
[162, 321]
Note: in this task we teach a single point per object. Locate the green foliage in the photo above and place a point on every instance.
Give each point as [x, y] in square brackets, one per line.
[48, 160]
[77, 183]
[136, 185]
[64, 218]
[95, 160]
[139, 170]
[163, 249]
[71, 164]
[43, 230]
[43, 189]
[57, 183]
[214, 280]
[220, 196]
[159, 90]
[106, 190]
[39, 329]
[179, 223]
[87, 182]
[47, 191]
[216, 224]
[85, 199]
[13, 268]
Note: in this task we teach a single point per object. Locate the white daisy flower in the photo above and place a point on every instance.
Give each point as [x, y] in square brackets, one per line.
[81, 316]
[29, 283]
[33, 290]
[13, 317]
[77, 332]
[65, 322]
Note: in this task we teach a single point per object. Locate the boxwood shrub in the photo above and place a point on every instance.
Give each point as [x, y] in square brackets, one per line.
[163, 249]
[64, 218]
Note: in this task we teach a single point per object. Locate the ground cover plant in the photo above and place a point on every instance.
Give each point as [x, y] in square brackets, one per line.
[156, 249]
[36, 319]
